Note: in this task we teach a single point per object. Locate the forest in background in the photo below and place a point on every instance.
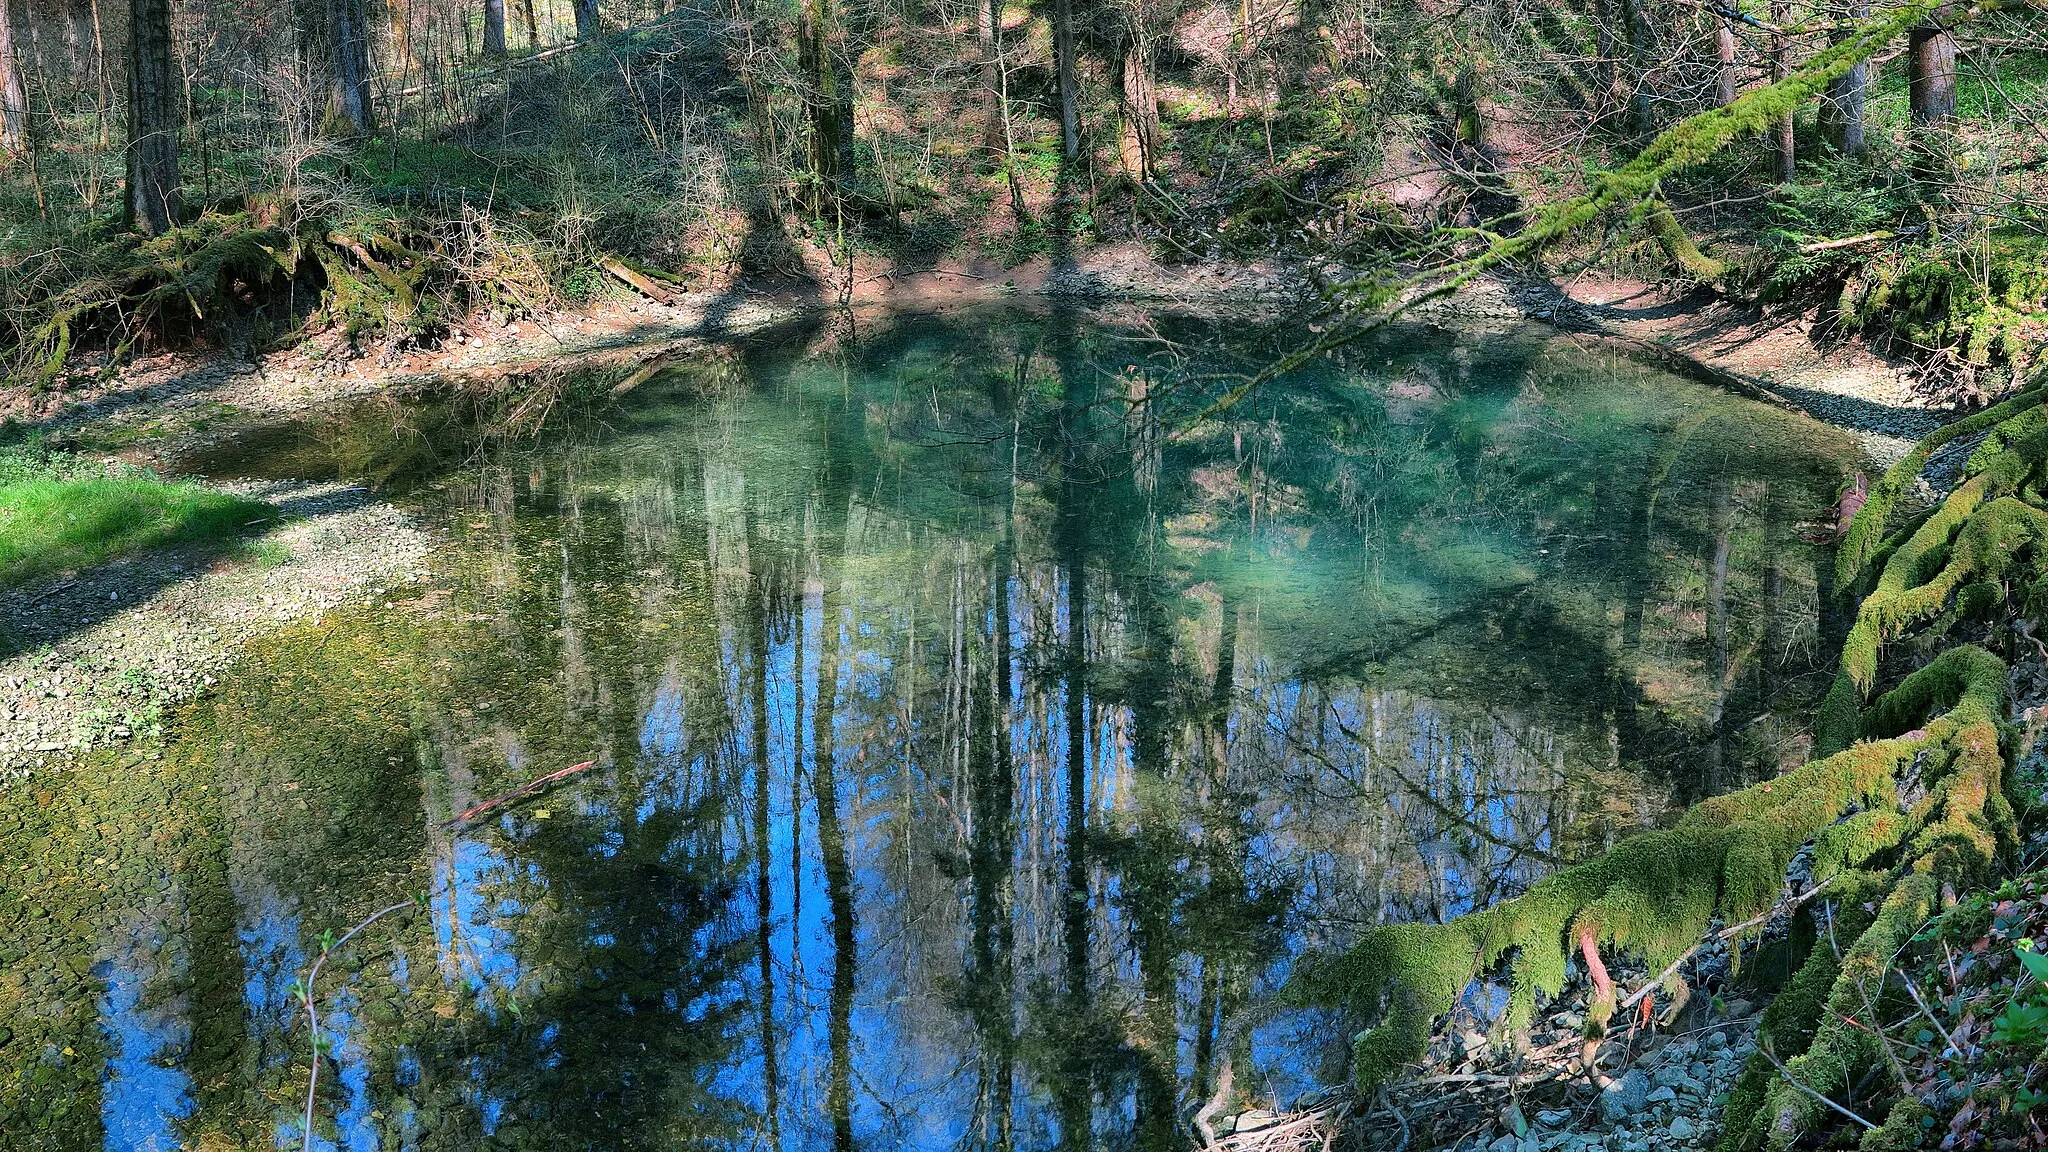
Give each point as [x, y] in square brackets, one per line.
[253, 173]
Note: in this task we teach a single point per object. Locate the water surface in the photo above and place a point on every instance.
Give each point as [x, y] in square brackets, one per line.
[980, 722]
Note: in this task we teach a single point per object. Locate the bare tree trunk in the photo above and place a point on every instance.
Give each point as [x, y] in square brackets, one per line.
[1931, 95]
[988, 26]
[494, 27]
[13, 93]
[1724, 58]
[103, 93]
[1140, 144]
[587, 27]
[154, 119]
[821, 73]
[1931, 86]
[1069, 82]
[1781, 67]
[350, 102]
[532, 26]
[1841, 113]
[1641, 109]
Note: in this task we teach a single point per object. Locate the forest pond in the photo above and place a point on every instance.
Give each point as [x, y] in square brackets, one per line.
[980, 718]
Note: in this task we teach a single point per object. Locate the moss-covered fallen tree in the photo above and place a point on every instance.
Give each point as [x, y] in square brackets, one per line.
[1904, 806]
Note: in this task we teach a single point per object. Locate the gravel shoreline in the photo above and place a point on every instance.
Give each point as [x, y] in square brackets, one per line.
[106, 654]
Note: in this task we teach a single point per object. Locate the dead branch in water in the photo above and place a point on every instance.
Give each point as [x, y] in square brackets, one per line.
[528, 789]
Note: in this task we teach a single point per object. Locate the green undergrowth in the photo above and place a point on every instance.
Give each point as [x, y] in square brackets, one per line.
[1905, 804]
[1985, 298]
[60, 513]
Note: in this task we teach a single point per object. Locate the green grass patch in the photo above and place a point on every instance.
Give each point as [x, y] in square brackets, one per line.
[60, 513]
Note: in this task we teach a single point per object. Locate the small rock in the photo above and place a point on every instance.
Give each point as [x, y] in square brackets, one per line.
[1553, 1118]
[1714, 1041]
[1738, 1009]
[1674, 1076]
[1681, 1129]
[1625, 1097]
[1661, 1096]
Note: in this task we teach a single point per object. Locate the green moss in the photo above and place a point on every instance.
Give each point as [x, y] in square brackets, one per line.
[1867, 530]
[1678, 244]
[1841, 1051]
[1901, 1129]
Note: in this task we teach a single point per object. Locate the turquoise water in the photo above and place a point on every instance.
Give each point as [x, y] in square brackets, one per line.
[978, 724]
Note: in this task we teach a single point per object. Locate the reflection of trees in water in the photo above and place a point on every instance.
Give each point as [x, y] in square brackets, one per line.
[970, 751]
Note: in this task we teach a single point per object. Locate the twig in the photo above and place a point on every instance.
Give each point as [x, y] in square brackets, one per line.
[1914, 991]
[313, 1014]
[1787, 1074]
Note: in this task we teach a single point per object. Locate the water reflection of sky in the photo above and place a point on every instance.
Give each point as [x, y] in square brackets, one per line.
[143, 1093]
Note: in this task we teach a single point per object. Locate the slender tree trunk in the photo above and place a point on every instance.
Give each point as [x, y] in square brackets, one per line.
[988, 31]
[587, 26]
[1609, 51]
[532, 25]
[1069, 82]
[1641, 109]
[1724, 63]
[103, 83]
[494, 27]
[1841, 114]
[1781, 67]
[13, 92]
[154, 119]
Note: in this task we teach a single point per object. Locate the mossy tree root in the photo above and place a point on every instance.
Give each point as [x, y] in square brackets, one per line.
[1909, 802]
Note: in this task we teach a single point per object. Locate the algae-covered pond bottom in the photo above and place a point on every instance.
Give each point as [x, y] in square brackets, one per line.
[980, 724]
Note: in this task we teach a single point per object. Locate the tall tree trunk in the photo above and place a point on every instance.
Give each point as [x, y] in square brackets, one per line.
[13, 93]
[1931, 95]
[103, 90]
[532, 25]
[1641, 109]
[494, 27]
[1781, 67]
[1841, 114]
[350, 104]
[823, 98]
[155, 118]
[1724, 64]
[1069, 82]
[1931, 85]
[587, 27]
[1140, 144]
[988, 30]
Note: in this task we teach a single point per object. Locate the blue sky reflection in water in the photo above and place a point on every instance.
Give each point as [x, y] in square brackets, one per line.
[978, 738]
